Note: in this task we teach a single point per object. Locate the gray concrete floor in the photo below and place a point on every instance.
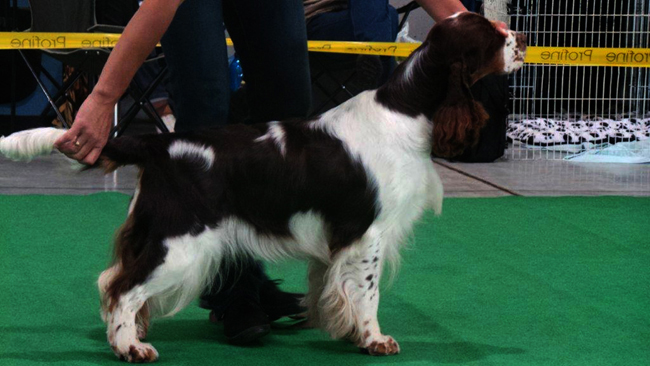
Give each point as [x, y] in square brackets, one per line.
[54, 175]
[544, 178]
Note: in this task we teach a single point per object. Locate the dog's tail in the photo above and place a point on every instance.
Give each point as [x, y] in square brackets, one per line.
[131, 150]
[26, 145]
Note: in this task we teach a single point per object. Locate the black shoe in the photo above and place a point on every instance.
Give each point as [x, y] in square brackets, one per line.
[277, 303]
[244, 321]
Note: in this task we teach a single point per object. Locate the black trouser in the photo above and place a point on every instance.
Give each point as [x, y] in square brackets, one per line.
[271, 42]
[238, 280]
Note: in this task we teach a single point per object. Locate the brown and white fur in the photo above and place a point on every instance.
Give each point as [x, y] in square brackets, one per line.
[341, 191]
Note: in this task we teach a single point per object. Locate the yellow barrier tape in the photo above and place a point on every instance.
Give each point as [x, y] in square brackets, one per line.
[579, 56]
[627, 57]
[364, 48]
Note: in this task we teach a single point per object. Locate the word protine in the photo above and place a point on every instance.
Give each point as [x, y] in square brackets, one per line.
[38, 42]
[60, 42]
[628, 57]
[567, 55]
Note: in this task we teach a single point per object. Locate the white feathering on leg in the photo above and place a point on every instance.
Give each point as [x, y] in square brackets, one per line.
[26, 145]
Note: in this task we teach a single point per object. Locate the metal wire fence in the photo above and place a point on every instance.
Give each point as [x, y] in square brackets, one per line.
[557, 110]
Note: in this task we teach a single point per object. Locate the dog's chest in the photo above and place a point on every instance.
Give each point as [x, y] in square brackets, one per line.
[394, 150]
[403, 182]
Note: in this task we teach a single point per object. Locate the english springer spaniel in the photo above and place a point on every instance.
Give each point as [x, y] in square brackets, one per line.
[341, 191]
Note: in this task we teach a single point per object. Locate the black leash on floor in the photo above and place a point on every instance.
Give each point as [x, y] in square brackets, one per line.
[503, 189]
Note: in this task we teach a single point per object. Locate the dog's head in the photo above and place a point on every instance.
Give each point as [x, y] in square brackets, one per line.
[467, 47]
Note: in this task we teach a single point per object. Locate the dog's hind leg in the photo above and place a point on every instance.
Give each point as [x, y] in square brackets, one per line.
[351, 296]
[188, 266]
[105, 279]
[103, 282]
[122, 327]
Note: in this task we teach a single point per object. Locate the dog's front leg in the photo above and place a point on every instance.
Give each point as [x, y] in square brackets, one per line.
[371, 339]
[369, 333]
[351, 296]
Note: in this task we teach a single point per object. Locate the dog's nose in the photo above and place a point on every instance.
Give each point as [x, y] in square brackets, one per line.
[521, 41]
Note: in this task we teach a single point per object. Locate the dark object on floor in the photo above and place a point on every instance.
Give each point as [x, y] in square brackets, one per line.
[492, 92]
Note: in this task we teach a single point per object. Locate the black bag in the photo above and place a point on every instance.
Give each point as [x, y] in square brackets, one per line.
[492, 93]
[25, 83]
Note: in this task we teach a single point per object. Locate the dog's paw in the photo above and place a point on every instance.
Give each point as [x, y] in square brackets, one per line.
[137, 353]
[383, 346]
[141, 331]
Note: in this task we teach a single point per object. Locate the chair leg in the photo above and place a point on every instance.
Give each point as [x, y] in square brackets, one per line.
[151, 112]
[62, 94]
[332, 98]
[47, 94]
[116, 118]
[122, 123]
[141, 101]
[149, 109]
[51, 79]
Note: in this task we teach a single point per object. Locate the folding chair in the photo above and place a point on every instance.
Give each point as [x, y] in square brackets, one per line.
[79, 16]
[335, 79]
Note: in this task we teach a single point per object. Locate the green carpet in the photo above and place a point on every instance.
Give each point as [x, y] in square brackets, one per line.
[493, 281]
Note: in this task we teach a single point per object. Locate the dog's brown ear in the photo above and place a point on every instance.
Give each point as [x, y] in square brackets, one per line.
[459, 119]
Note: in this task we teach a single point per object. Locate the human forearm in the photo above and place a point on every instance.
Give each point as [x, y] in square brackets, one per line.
[140, 36]
[89, 132]
[441, 9]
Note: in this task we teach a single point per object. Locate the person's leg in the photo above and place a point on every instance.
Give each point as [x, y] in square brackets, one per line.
[271, 41]
[271, 44]
[375, 21]
[235, 299]
[195, 51]
[235, 280]
[332, 26]
[196, 54]
[371, 21]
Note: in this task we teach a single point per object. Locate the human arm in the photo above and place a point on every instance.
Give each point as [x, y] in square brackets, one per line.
[442, 9]
[89, 133]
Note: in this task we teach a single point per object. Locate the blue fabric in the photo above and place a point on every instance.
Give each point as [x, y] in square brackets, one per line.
[364, 20]
[472, 5]
[373, 21]
[196, 54]
[270, 41]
